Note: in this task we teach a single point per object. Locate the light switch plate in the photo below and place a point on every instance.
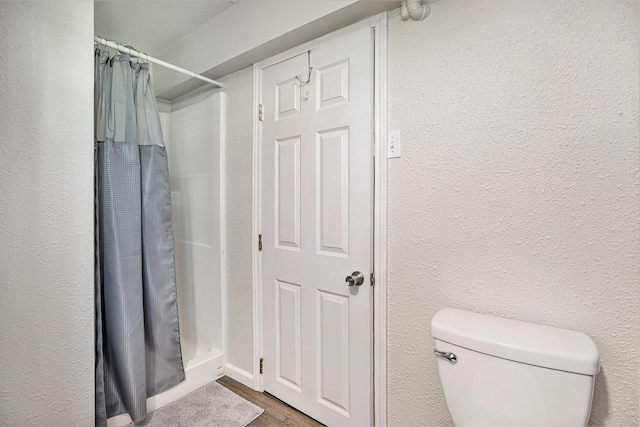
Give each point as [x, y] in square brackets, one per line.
[393, 145]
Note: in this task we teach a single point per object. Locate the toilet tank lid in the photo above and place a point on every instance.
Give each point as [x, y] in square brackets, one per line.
[524, 342]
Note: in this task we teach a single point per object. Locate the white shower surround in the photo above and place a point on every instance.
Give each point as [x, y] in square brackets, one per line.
[193, 129]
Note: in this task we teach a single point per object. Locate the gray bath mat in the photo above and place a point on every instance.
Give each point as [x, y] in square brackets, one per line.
[208, 406]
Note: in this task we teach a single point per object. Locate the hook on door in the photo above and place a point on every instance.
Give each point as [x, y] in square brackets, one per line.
[299, 78]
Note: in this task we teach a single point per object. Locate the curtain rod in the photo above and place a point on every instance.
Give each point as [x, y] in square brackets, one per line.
[144, 56]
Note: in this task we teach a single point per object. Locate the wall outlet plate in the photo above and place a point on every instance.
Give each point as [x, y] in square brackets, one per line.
[393, 145]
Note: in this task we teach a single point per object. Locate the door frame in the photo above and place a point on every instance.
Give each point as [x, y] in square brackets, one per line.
[379, 24]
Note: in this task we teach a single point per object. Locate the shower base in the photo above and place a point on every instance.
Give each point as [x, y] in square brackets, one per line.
[199, 371]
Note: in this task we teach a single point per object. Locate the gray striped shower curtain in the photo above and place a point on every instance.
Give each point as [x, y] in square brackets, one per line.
[138, 350]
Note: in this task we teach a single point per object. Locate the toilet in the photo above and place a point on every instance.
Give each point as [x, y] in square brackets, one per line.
[500, 372]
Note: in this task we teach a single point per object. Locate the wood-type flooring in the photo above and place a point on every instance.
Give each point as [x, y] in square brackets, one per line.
[276, 412]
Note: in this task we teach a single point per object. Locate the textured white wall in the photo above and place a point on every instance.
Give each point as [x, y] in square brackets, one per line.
[46, 214]
[238, 206]
[517, 190]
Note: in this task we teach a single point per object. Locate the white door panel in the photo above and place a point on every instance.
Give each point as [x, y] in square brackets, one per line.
[317, 142]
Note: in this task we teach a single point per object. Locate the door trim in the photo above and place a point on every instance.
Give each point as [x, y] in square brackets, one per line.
[379, 24]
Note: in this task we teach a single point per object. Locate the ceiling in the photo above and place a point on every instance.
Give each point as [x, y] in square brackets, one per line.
[234, 33]
[152, 26]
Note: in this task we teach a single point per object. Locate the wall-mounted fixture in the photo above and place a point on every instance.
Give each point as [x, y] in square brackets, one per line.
[414, 9]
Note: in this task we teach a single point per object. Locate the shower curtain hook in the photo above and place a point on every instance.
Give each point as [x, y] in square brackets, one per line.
[118, 46]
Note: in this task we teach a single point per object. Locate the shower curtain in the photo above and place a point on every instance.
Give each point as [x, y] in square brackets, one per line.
[138, 350]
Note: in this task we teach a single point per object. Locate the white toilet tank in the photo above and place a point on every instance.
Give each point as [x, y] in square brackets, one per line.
[500, 372]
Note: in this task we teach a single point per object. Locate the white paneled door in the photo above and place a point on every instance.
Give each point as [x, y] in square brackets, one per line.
[317, 226]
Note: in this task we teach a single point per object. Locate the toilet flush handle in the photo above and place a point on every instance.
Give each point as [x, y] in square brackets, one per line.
[451, 357]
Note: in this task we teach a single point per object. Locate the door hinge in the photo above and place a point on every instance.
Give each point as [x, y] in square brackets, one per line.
[260, 242]
[261, 112]
[261, 365]
[372, 279]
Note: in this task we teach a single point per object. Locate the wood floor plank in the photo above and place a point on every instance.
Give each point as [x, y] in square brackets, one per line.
[276, 413]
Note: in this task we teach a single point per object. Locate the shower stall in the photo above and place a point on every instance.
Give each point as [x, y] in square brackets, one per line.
[193, 130]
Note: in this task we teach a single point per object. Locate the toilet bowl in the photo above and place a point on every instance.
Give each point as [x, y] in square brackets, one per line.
[500, 372]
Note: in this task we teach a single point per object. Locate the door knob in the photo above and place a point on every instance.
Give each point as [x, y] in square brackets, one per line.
[356, 278]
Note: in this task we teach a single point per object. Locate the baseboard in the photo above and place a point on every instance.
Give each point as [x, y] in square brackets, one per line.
[240, 375]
